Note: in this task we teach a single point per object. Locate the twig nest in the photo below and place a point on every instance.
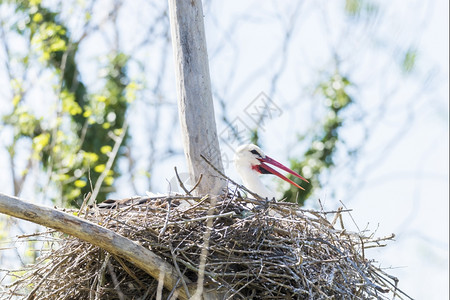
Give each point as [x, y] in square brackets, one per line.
[243, 248]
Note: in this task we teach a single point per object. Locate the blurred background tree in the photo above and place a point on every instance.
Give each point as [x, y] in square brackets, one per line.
[73, 138]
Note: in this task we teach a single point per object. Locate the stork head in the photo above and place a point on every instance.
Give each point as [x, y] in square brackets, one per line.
[250, 159]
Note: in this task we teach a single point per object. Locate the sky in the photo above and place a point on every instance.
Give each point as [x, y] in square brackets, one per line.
[400, 181]
[406, 191]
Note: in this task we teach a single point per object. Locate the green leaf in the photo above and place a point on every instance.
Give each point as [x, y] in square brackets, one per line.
[353, 7]
[105, 149]
[41, 141]
[99, 168]
[409, 60]
[68, 103]
[80, 183]
[109, 180]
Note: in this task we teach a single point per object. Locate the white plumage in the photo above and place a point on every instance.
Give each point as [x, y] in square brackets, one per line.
[250, 162]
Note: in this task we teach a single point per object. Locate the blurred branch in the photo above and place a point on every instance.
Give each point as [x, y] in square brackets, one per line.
[118, 140]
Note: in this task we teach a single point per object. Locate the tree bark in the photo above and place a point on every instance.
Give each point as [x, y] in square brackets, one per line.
[99, 236]
[195, 105]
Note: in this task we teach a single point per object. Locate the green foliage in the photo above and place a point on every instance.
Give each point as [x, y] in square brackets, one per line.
[76, 146]
[353, 7]
[25, 123]
[409, 60]
[254, 137]
[319, 157]
[99, 121]
[356, 8]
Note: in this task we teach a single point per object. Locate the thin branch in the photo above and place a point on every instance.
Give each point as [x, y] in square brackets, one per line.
[109, 163]
[174, 258]
[196, 185]
[230, 180]
[180, 182]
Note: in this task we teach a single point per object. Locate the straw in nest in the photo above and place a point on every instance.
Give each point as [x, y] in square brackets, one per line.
[237, 247]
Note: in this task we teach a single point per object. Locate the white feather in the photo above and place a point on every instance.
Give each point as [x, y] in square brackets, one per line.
[244, 160]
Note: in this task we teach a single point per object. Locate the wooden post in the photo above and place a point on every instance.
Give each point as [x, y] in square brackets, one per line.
[195, 105]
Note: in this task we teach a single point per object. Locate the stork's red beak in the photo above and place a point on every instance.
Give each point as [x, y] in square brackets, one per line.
[268, 160]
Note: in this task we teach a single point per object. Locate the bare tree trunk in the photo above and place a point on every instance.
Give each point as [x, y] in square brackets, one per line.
[195, 105]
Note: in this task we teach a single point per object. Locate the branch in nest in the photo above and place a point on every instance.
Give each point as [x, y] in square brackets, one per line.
[230, 180]
[180, 182]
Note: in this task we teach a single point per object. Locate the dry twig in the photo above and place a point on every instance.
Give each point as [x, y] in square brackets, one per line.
[240, 247]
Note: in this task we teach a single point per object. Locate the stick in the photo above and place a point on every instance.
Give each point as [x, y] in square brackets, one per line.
[230, 180]
[109, 163]
[180, 182]
[196, 185]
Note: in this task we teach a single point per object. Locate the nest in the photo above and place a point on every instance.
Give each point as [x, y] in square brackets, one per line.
[240, 247]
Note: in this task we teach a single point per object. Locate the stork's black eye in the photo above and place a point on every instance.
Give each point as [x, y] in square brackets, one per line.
[255, 152]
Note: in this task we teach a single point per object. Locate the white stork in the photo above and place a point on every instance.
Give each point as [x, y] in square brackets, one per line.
[250, 162]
